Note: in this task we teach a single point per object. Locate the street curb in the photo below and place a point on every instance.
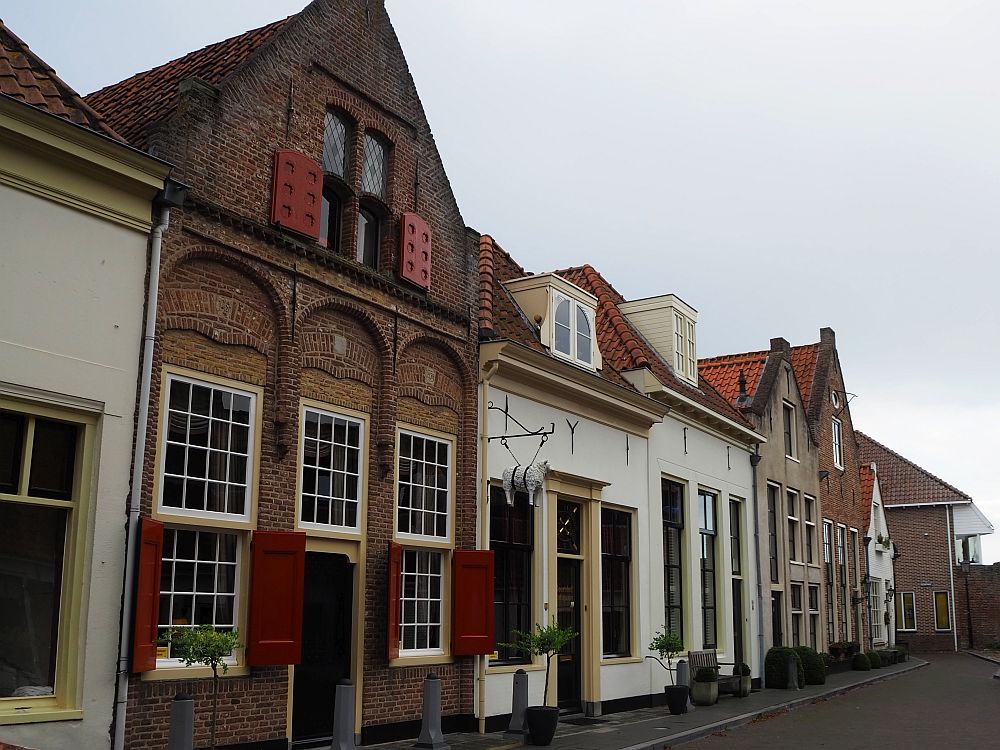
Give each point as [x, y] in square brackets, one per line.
[661, 743]
[984, 657]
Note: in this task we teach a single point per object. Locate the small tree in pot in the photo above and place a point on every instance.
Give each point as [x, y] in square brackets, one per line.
[543, 641]
[668, 645]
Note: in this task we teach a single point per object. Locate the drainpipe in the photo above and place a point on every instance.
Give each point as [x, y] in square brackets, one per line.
[951, 575]
[484, 515]
[868, 594]
[754, 460]
[172, 196]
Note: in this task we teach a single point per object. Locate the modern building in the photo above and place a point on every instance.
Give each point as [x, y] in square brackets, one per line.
[310, 466]
[77, 208]
[935, 529]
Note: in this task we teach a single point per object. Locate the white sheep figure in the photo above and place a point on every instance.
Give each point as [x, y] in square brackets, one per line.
[524, 478]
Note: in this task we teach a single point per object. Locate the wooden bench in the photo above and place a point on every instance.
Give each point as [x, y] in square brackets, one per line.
[702, 659]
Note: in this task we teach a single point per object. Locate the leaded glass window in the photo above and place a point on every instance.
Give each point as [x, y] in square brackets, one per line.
[568, 527]
[336, 144]
[373, 166]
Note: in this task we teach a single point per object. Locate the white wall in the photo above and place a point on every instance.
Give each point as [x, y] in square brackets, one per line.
[880, 562]
[71, 306]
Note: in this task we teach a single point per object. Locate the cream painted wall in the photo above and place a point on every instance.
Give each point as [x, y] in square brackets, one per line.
[880, 563]
[71, 307]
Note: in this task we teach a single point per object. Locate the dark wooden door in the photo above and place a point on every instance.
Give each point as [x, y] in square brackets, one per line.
[777, 620]
[568, 616]
[327, 615]
[738, 645]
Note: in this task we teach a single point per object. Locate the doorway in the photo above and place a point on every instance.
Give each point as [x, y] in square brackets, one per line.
[568, 616]
[327, 616]
[777, 629]
[738, 655]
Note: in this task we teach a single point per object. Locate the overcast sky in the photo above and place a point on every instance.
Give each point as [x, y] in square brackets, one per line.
[781, 165]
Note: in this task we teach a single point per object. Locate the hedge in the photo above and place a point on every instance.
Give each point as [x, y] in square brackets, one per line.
[776, 667]
[860, 663]
[813, 665]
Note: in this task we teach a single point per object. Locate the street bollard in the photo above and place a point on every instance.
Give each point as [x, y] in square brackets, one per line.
[430, 726]
[684, 678]
[518, 704]
[343, 717]
[793, 674]
[181, 735]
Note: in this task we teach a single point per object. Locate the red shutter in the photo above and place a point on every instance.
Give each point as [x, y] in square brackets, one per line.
[296, 194]
[147, 595]
[415, 250]
[395, 590]
[276, 582]
[472, 602]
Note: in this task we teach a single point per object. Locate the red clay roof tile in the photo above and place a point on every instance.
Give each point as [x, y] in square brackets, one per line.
[724, 373]
[28, 78]
[901, 480]
[135, 105]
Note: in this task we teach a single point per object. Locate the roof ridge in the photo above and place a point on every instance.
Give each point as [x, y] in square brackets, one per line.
[720, 359]
[915, 465]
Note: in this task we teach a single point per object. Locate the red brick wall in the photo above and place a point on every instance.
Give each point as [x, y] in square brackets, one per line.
[983, 600]
[921, 534]
[242, 301]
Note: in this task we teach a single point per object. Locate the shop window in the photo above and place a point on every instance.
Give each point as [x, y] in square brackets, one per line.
[511, 539]
[331, 466]
[616, 579]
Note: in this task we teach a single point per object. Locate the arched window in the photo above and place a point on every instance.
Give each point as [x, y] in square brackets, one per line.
[336, 149]
[572, 330]
[583, 336]
[562, 326]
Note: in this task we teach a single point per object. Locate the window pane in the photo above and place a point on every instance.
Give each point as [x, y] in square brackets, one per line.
[422, 493]
[31, 564]
[368, 238]
[329, 219]
[12, 428]
[420, 603]
[53, 455]
[336, 493]
[335, 141]
[373, 170]
[942, 616]
[583, 335]
[562, 325]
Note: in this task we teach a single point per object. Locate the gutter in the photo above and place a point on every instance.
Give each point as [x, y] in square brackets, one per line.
[171, 196]
[754, 460]
[935, 504]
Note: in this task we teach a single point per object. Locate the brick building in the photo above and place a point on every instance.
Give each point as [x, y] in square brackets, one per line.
[311, 460]
[934, 527]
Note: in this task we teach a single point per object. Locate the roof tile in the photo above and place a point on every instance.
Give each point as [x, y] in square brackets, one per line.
[901, 480]
[724, 373]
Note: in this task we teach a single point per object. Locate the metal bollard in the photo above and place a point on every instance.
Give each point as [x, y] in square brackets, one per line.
[343, 717]
[793, 674]
[684, 678]
[518, 704]
[430, 725]
[181, 735]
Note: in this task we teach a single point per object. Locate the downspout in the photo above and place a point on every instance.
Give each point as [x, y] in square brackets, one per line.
[484, 515]
[868, 592]
[754, 460]
[951, 575]
[171, 196]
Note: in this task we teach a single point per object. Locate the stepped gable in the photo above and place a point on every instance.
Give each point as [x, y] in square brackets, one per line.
[723, 373]
[901, 480]
[627, 349]
[134, 106]
[26, 77]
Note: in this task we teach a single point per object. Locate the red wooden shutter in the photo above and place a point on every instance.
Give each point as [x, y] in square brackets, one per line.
[395, 589]
[147, 595]
[296, 194]
[415, 250]
[279, 559]
[472, 602]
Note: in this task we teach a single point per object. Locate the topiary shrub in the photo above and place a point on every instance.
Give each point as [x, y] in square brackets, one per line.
[874, 659]
[776, 667]
[888, 656]
[860, 663]
[812, 665]
[706, 674]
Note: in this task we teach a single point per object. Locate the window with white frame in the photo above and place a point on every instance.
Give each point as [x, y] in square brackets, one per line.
[875, 608]
[792, 500]
[906, 611]
[796, 614]
[423, 494]
[199, 579]
[809, 505]
[838, 444]
[942, 610]
[421, 602]
[207, 458]
[685, 349]
[331, 482]
[814, 617]
[788, 429]
[573, 329]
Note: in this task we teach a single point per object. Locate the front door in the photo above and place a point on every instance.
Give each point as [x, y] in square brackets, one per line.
[738, 655]
[326, 647]
[568, 616]
[777, 620]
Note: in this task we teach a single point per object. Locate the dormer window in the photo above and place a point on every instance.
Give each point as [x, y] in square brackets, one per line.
[685, 352]
[669, 324]
[572, 329]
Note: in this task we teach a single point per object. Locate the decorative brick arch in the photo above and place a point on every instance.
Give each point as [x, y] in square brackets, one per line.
[432, 372]
[343, 340]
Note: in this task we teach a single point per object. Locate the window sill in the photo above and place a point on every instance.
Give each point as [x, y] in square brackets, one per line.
[420, 661]
[31, 715]
[792, 458]
[215, 521]
[511, 668]
[190, 673]
[610, 661]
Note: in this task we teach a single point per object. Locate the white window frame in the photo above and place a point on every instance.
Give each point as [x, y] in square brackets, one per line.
[361, 476]
[808, 501]
[794, 527]
[168, 510]
[234, 658]
[951, 624]
[796, 614]
[685, 347]
[901, 619]
[408, 536]
[875, 605]
[574, 306]
[442, 576]
[787, 407]
[837, 429]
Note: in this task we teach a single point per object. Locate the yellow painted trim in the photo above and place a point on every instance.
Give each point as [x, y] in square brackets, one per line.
[349, 548]
[31, 717]
[191, 673]
[621, 660]
[418, 661]
[511, 668]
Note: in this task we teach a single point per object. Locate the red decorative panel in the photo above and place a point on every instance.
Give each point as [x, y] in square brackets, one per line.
[297, 192]
[276, 584]
[472, 602]
[415, 250]
[395, 589]
[147, 595]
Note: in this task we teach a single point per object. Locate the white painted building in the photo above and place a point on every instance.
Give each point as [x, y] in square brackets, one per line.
[880, 550]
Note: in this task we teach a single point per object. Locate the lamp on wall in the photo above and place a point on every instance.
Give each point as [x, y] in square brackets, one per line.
[890, 594]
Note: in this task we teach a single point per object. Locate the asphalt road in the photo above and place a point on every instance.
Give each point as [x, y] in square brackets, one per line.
[953, 702]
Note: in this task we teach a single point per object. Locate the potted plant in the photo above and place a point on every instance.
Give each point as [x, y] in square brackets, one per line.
[668, 645]
[205, 645]
[705, 688]
[547, 642]
[837, 649]
[743, 670]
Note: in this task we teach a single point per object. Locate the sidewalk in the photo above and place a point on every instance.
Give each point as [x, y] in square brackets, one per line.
[657, 729]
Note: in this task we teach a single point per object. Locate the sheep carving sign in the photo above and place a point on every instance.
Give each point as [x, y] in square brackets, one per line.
[524, 479]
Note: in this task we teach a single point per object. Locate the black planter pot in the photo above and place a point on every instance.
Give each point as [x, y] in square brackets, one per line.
[542, 721]
[677, 698]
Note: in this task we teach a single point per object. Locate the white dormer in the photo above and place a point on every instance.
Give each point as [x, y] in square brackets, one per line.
[564, 314]
[669, 324]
